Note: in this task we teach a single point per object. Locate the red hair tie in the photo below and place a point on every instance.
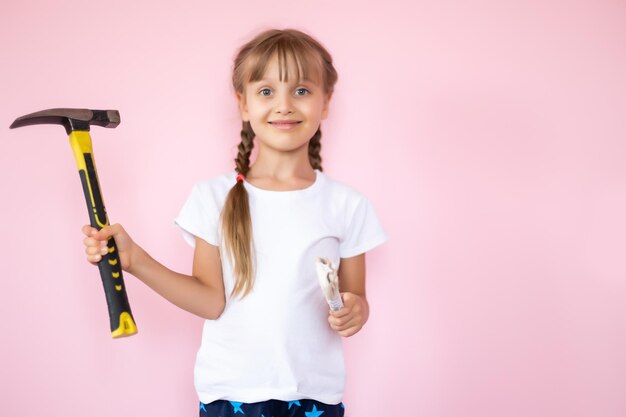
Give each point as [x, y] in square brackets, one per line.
[241, 177]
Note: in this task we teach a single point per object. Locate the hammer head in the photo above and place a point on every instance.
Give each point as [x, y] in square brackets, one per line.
[71, 119]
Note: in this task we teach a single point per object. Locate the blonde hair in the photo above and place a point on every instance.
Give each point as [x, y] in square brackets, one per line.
[250, 64]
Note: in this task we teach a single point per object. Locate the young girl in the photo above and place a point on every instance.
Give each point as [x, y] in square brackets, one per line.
[270, 345]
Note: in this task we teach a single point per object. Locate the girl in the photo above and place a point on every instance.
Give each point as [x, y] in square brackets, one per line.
[270, 345]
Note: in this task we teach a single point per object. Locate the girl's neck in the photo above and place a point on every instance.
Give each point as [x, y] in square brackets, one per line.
[282, 166]
[281, 178]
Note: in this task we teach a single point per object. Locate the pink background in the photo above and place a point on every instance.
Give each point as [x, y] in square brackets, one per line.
[489, 135]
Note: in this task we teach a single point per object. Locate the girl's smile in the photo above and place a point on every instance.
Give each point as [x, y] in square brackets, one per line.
[285, 124]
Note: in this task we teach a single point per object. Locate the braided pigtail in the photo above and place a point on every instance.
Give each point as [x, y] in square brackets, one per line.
[315, 147]
[237, 222]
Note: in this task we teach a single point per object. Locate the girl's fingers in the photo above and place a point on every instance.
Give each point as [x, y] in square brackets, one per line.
[348, 327]
[96, 250]
[94, 259]
[103, 234]
[352, 323]
[344, 311]
[108, 231]
[96, 243]
[349, 332]
[88, 230]
[95, 254]
[343, 323]
[338, 321]
[91, 242]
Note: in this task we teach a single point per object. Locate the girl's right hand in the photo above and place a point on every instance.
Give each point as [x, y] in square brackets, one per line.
[96, 244]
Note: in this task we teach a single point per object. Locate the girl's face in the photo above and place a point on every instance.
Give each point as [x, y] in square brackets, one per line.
[283, 115]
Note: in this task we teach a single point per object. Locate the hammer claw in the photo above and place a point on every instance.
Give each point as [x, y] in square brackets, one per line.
[71, 119]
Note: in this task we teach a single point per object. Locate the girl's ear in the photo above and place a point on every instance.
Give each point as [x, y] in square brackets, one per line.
[243, 108]
[327, 98]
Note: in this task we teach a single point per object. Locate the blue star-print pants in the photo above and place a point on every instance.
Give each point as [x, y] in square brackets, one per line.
[271, 408]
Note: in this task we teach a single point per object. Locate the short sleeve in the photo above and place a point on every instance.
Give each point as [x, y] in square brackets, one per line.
[199, 216]
[363, 231]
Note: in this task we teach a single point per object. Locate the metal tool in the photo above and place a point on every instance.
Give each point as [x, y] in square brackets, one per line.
[77, 124]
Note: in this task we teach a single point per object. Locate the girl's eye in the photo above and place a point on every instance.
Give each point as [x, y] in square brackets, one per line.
[265, 89]
[304, 90]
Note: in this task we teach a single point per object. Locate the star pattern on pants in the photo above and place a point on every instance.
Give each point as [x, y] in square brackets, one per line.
[292, 403]
[236, 407]
[314, 412]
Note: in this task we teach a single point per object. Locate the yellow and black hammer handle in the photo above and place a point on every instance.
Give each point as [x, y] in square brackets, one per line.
[77, 123]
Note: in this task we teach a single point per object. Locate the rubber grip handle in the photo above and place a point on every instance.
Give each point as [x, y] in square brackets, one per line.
[120, 315]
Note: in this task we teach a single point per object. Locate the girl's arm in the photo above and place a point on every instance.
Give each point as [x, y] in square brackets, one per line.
[350, 319]
[201, 293]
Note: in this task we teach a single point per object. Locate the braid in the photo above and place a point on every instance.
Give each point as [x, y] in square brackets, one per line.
[245, 149]
[237, 221]
[315, 147]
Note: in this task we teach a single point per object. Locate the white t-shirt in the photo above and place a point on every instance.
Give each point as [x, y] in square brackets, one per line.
[277, 343]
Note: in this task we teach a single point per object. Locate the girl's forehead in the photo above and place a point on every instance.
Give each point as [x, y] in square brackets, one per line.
[286, 70]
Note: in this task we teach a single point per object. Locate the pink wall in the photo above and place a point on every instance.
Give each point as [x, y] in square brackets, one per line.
[489, 136]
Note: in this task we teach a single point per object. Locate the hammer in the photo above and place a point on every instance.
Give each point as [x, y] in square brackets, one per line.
[77, 123]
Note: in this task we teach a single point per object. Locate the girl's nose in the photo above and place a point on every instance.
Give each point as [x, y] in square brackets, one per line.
[284, 103]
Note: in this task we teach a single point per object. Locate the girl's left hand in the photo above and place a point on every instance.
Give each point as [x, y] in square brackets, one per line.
[351, 318]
